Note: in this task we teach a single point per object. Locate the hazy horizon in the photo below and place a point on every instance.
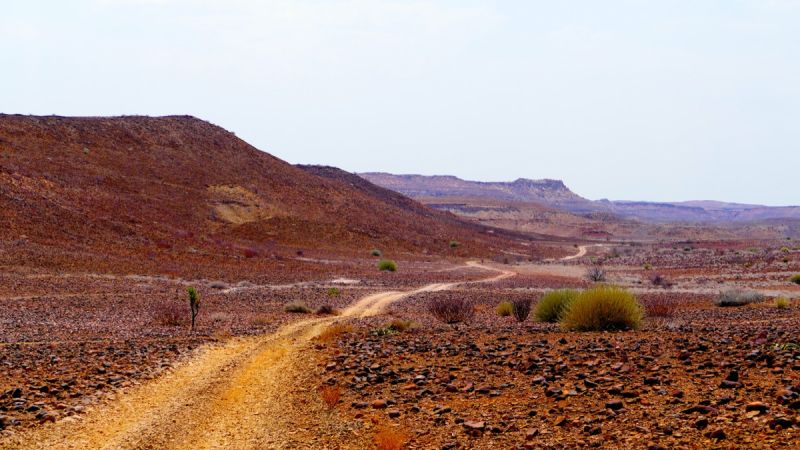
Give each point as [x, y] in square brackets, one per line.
[623, 100]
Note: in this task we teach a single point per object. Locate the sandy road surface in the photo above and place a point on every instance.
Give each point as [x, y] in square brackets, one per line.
[227, 396]
[582, 249]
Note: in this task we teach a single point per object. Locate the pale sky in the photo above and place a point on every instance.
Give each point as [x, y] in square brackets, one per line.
[639, 100]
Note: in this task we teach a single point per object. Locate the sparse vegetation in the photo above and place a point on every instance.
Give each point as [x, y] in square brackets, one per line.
[194, 303]
[334, 292]
[334, 331]
[330, 395]
[454, 244]
[451, 309]
[648, 266]
[296, 307]
[387, 265]
[603, 308]
[377, 253]
[552, 306]
[795, 279]
[505, 309]
[736, 297]
[390, 439]
[782, 303]
[325, 310]
[168, 314]
[521, 308]
[660, 307]
[400, 325]
[596, 274]
[660, 280]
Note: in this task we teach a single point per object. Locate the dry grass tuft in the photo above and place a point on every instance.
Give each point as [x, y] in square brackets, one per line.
[390, 439]
[660, 307]
[295, 307]
[169, 314]
[603, 308]
[400, 325]
[553, 305]
[334, 331]
[505, 309]
[782, 303]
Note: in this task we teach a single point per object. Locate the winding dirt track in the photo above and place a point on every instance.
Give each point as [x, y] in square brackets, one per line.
[227, 396]
[582, 249]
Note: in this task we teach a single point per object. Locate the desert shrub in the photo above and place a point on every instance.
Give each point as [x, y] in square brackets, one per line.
[521, 308]
[505, 309]
[377, 253]
[334, 331]
[736, 297]
[390, 439]
[400, 325]
[325, 310]
[334, 292]
[194, 303]
[596, 274]
[454, 244]
[387, 264]
[551, 307]
[785, 250]
[660, 307]
[296, 307]
[782, 303]
[168, 314]
[395, 326]
[660, 281]
[795, 279]
[330, 395]
[451, 309]
[603, 308]
[648, 266]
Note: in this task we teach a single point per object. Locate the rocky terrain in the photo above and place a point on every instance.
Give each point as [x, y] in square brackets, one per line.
[302, 342]
[697, 376]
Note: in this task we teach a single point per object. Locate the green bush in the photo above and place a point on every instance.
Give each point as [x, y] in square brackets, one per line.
[334, 292]
[454, 244]
[387, 264]
[295, 307]
[603, 308]
[782, 303]
[735, 297]
[505, 309]
[376, 252]
[795, 279]
[553, 304]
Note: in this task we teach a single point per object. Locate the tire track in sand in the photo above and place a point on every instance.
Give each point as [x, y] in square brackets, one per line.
[227, 396]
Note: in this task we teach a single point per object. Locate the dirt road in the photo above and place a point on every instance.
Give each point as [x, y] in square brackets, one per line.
[582, 249]
[228, 396]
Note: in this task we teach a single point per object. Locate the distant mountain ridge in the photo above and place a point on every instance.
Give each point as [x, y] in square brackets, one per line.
[555, 194]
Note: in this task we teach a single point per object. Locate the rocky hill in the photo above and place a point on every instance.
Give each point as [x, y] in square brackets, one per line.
[133, 193]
